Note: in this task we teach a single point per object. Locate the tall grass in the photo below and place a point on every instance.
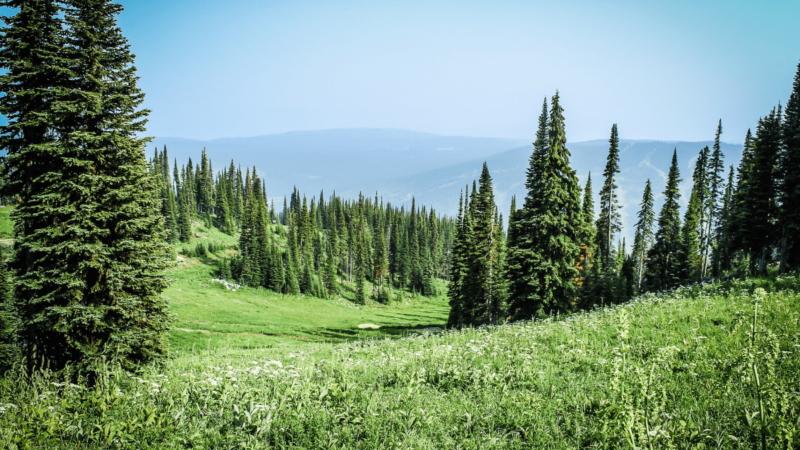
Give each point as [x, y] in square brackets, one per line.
[692, 368]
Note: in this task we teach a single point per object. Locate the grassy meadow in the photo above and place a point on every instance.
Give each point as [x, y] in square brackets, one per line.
[692, 368]
[209, 316]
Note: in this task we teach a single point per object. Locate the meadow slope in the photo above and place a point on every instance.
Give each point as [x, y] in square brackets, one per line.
[675, 370]
[209, 316]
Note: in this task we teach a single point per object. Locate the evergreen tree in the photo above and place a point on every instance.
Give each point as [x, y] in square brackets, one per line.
[225, 219]
[586, 260]
[644, 231]
[184, 218]
[278, 273]
[380, 262]
[498, 309]
[790, 173]
[482, 298]
[701, 186]
[739, 199]
[457, 268]
[608, 222]
[331, 285]
[758, 220]
[541, 264]
[359, 276]
[90, 267]
[627, 277]
[716, 187]
[292, 286]
[723, 253]
[688, 253]
[663, 268]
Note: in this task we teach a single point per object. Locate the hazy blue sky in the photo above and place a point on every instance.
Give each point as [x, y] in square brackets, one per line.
[661, 70]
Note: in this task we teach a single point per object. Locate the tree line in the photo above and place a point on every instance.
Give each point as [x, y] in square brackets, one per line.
[556, 257]
[310, 247]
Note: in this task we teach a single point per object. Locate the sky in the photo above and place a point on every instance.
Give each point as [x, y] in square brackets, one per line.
[666, 70]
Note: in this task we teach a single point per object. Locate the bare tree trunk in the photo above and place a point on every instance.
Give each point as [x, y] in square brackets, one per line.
[762, 264]
[706, 249]
[641, 266]
[608, 244]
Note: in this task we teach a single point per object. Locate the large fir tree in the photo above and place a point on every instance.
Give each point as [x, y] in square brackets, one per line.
[663, 268]
[688, 251]
[716, 188]
[608, 222]
[790, 173]
[760, 212]
[542, 262]
[89, 249]
[644, 231]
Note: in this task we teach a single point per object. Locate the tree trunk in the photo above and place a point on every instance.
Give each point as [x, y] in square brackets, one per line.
[762, 264]
[707, 247]
[784, 250]
[641, 266]
[608, 240]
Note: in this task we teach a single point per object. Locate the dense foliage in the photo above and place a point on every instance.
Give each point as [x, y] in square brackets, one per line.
[88, 254]
[309, 247]
[560, 259]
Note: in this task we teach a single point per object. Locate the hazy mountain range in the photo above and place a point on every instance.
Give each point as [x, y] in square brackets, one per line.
[399, 164]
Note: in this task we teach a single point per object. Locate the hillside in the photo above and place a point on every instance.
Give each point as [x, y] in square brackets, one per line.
[676, 370]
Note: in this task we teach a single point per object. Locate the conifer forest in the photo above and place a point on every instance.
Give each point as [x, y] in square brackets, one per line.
[154, 300]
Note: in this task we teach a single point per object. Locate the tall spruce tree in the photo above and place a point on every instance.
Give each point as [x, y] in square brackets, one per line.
[541, 263]
[608, 222]
[688, 251]
[380, 261]
[457, 268]
[760, 213]
[331, 264]
[644, 231]
[34, 82]
[663, 267]
[586, 263]
[790, 174]
[90, 250]
[483, 255]
[716, 188]
[722, 256]
[739, 199]
[701, 186]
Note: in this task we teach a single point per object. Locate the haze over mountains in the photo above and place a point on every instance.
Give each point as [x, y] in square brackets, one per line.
[399, 164]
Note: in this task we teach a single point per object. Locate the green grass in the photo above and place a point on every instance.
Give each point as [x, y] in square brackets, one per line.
[209, 316]
[254, 318]
[677, 370]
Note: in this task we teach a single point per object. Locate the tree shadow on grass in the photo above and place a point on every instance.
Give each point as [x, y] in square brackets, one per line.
[389, 331]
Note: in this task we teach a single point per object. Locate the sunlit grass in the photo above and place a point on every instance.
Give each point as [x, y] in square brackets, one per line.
[668, 371]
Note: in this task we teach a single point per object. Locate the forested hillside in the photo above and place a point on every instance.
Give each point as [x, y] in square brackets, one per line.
[307, 246]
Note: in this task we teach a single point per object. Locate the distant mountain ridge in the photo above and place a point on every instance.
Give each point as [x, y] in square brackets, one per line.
[329, 159]
[399, 164]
